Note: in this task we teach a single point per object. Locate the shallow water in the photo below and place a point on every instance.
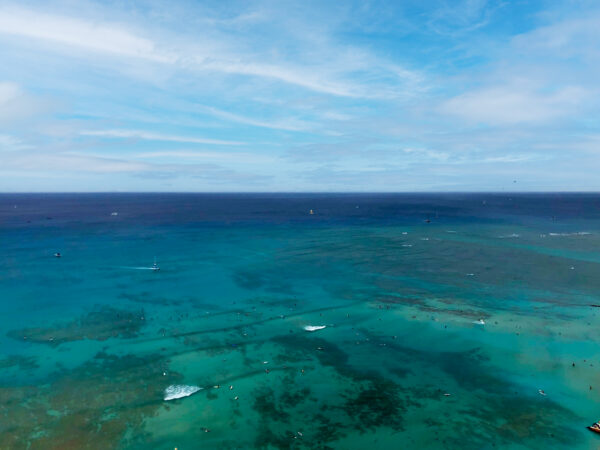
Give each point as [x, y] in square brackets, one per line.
[91, 341]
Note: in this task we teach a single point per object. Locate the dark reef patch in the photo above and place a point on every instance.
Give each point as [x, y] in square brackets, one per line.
[508, 419]
[19, 361]
[365, 401]
[379, 403]
[290, 399]
[301, 347]
[248, 280]
[502, 416]
[270, 281]
[100, 324]
[266, 404]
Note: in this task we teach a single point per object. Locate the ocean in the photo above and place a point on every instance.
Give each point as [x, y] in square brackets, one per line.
[444, 321]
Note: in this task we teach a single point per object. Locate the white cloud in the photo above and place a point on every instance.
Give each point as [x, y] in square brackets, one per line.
[310, 79]
[9, 142]
[149, 136]
[178, 80]
[508, 159]
[221, 157]
[69, 164]
[8, 92]
[15, 104]
[333, 71]
[289, 124]
[105, 38]
[513, 104]
[461, 16]
[427, 153]
[564, 39]
[66, 162]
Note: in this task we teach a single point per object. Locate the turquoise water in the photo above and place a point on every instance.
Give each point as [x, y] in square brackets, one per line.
[91, 341]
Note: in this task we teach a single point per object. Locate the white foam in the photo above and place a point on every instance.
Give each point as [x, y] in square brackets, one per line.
[314, 327]
[577, 233]
[179, 391]
[479, 322]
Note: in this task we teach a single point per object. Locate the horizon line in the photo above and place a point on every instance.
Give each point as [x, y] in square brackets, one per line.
[290, 192]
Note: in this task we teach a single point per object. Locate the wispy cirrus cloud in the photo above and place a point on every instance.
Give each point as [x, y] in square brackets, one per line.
[514, 104]
[204, 54]
[461, 16]
[288, 124]
[68, 162]
[87, 35]
[564, 39]
[149, 136]
[17, 105]
[76, 164]
[223, 157]
[301, 95]
[8, 142]
[541, 76]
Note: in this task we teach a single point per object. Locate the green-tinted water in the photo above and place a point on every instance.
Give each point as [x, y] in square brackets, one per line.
[91, 343]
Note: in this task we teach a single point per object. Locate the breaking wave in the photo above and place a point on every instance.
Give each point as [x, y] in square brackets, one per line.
[179, 391]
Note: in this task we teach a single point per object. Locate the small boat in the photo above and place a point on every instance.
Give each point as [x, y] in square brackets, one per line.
[595, 427]
[154, 266]
[311, 212]
[57, 255]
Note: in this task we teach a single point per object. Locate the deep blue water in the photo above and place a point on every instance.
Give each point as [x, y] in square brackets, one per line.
[195, 209]
[485, 297]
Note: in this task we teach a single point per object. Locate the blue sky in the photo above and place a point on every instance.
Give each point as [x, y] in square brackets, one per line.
[442, 95]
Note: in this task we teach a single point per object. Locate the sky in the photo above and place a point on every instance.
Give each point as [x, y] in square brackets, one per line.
[303, 96]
